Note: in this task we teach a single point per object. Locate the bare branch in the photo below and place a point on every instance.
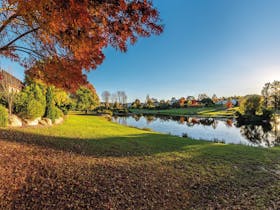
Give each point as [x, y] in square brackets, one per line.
[19, 37]
[27, 49]
[9, 20]
[28, 52]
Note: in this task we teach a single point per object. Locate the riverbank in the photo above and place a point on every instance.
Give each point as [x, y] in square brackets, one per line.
[214, 112]
[88, 162]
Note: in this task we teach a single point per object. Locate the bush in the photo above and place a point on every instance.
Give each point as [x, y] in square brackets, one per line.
[3, 116]
[20, 103]
[120, 111]
[185, 135]
[107, 111]
[207, 102]
[58, 113]
[65, 109]
[34, 109]
[31, 102]
[104, 111]
[50, 106]
[54, 114]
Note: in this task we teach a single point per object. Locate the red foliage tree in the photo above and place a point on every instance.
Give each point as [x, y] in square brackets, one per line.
[182, 101]
[229, 104]
[68, 36]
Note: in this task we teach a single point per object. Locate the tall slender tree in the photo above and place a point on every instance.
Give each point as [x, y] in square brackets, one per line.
[106, 97]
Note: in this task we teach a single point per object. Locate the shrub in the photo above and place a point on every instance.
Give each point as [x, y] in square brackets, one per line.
[31, 102]
[21, 103]
[3, 116]
[109, 112]
[58, 113]
[55, 113]
[50, 106]
[185, 135]
[34, 109]
[120, 111]
[65, 109]
[207, 102]
[104, 111]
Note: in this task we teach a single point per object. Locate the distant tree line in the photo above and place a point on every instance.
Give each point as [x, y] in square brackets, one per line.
[203, 100]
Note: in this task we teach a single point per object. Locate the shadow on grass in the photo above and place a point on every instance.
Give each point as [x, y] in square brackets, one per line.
[131, 145]
[208, 179]
[216, 176]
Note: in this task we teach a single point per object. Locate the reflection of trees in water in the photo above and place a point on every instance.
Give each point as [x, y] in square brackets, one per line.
[215, 124]
[164, 118]
[229, 123]
[136, 117]
[189, 121]
[276, 129]
[266, 134]
[121, 120]
[205, 121]
[182, 120]
[150, 118]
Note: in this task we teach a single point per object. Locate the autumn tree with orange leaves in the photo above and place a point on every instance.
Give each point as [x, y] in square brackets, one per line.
[182, 101]
[57, 39]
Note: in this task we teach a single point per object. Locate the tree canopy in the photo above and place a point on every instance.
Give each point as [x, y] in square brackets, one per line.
[58, 39]
[271, 94]
[251, 104]
[87, 99]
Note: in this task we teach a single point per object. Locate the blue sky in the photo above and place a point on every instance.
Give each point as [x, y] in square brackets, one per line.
[226, 47]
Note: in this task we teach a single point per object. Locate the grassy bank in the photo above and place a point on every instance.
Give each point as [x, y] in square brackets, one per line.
[88, 162]
[217, 111]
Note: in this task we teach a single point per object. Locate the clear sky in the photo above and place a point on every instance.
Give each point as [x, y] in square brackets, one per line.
[226, 47]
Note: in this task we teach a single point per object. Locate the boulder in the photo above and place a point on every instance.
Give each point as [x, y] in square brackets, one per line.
[58, 120]
[32, 122]
[45, 122]
[14, 121]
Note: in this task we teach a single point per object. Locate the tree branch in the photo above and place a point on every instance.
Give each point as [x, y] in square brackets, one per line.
[30, 53]
[9, 20]
[19, 37]
[27, 49]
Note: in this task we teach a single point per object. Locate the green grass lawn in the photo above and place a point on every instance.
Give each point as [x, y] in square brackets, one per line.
[217, 111]
[88, 162]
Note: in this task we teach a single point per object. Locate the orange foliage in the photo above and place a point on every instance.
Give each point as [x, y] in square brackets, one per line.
[71, 33]
[182, 101]
[229, 104]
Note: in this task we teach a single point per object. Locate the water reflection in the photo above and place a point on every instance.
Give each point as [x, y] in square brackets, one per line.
[227, 130]
[229, 123]
[267, 134]
[150, 119]
[137, 117]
